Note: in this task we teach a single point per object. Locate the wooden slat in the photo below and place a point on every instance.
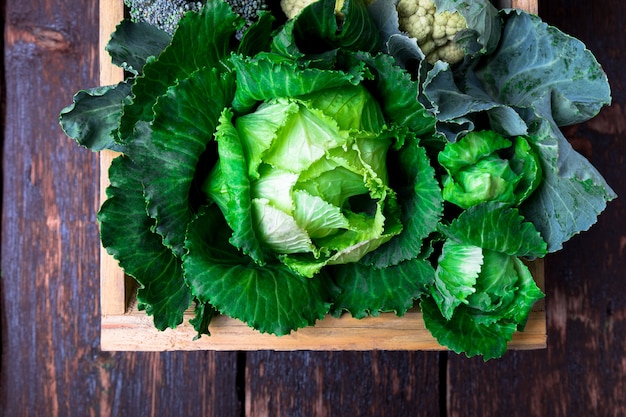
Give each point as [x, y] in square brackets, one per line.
[135, 331]
[531, 6]
[128, 329]
[319, 384]
[112, 281]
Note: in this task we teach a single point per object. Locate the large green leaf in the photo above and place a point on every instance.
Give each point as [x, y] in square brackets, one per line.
[185, 121]
[462, 334]
[133, 43]
[397, 93]
[94, 115]
[269, 76]
[369, 291]
[572, 194]
[420, 200]
[533, 59]
[202, 40]
[457, 271]
[271, 299]
[126, 233]
[229, 187]
[498, 227]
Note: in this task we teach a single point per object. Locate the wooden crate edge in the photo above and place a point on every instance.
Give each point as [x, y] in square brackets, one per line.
[134, 331]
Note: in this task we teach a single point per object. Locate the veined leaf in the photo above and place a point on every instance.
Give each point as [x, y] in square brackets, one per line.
[185, 121]
[269, 76]
[201, 40]
[456, 108]
[126, 233]
[368, 291]
[421, 205]
[498, 227]
[230, 188]
[462, 334]
[93, 117]
[534, 58]
[271, 299]
[133, 43]
[572, 193]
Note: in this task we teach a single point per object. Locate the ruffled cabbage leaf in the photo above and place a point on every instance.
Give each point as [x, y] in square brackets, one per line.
[482, 291]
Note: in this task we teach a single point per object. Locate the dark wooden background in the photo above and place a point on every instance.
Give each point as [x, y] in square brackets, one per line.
[51, 362]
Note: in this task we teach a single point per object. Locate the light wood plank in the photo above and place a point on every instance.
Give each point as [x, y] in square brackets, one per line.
[112, 281]
[135, 331]
[531, 6]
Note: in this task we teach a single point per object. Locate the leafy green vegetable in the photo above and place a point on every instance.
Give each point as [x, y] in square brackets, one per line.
[94, 115]
[477, 173]
[125, 230]
[279, 172]
[133, 43]
[481, 285]
[270, 298]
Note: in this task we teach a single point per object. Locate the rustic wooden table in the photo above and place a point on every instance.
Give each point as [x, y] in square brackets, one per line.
[49, 304]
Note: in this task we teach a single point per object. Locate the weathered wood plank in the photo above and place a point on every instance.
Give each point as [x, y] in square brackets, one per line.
[583, 370]
[304, 384]
[50, 312]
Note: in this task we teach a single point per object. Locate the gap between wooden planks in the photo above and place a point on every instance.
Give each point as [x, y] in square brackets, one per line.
[124, 328]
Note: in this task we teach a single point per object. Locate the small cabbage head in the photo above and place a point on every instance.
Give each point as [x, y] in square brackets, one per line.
[316, 167]
[484, 166]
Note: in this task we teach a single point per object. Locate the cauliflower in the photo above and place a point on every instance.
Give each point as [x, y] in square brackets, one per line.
[292, 7]
[434, 31]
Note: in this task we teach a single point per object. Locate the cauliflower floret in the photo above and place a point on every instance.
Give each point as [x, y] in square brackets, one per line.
[292, 7]
[434, 31]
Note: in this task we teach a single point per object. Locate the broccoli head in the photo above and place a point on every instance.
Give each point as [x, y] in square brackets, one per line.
[165, 14]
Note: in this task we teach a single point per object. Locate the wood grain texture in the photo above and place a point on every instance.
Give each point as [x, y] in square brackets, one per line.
[49, 306]
[134, 331]
[305, 384]
[50, 310]
[583, 370]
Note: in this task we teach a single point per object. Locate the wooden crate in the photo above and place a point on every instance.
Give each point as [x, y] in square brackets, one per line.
[124, 328]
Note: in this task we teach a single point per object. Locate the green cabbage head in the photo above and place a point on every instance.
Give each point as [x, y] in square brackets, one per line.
[485, 166]
[317, 175]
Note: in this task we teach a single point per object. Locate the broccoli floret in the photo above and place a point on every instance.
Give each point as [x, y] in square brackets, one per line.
[165, 14]
[248, 9]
